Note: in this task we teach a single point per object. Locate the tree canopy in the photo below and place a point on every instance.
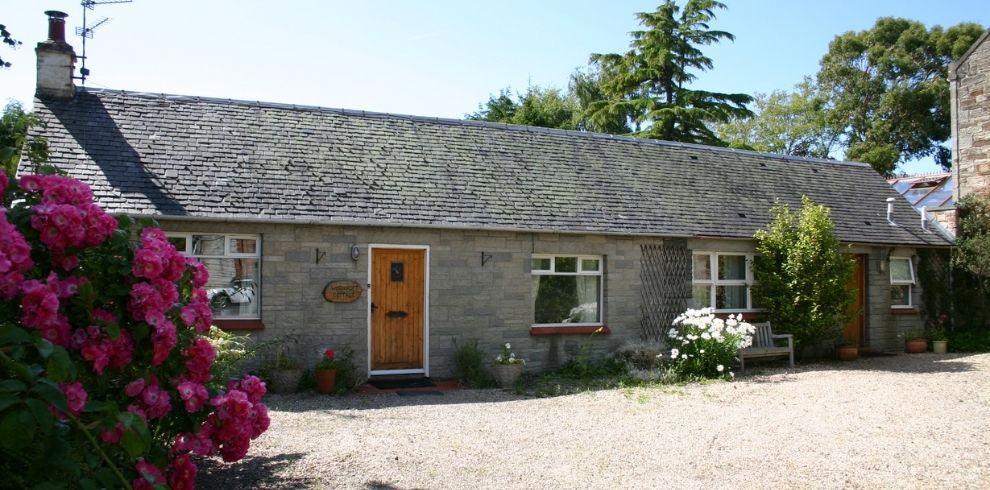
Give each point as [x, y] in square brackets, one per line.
[787, 123]
[649, 84]
[14, 124]
[545, 107]
[6, 38]
[886, 92]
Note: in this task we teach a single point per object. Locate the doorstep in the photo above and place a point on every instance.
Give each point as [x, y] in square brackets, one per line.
[440, 385]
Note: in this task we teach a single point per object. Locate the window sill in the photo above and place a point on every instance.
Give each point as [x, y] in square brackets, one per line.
[908, 310]
[239, 324]
[585, 330]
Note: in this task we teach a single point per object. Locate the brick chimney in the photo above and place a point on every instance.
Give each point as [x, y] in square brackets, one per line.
[56, 60]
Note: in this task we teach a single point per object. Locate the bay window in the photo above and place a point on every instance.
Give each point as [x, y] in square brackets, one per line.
[567, 290]
[234, 264]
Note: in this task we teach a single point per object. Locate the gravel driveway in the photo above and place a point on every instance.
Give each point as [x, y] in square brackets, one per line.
[910, 421]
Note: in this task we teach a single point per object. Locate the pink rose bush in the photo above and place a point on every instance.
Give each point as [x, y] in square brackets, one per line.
[107, 377]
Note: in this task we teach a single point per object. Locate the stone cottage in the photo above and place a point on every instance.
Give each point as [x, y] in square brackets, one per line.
[400, 236]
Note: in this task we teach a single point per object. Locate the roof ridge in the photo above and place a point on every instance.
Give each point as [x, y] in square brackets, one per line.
[467, 122]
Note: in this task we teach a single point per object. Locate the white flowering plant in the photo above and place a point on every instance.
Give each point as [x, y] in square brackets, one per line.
[703, 345]
[507, 356]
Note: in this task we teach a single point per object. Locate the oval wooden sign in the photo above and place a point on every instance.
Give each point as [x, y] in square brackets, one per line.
[343, 291]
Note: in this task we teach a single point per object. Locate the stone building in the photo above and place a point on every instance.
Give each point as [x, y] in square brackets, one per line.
[969, 82]
[400, 237]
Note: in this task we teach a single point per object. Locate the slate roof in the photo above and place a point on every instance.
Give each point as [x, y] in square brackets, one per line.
[222, 159]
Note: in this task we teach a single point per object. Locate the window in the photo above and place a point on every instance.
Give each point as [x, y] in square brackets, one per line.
[567, 290]
[901, 281]
[234, 263]
[722, 281]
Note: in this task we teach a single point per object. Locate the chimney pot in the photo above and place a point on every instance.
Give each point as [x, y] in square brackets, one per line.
[56, 25]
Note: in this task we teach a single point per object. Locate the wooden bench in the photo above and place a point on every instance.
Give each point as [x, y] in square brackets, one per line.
[764, 345]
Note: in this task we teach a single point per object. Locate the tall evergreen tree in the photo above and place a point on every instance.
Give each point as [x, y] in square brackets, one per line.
[650, 83]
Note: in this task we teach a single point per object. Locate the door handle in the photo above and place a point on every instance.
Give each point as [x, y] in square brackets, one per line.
[396, 314]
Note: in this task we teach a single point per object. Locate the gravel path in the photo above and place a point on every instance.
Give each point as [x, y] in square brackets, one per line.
[910, 421]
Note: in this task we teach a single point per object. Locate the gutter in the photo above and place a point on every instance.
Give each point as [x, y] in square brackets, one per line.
[447, 226]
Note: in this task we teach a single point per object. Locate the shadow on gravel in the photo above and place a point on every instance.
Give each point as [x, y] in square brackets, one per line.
[250, 472]
[377, 485]
[761, 372]
[314, 402]
[894, 363]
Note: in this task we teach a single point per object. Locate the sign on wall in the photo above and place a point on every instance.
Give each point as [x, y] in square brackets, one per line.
[342, 291]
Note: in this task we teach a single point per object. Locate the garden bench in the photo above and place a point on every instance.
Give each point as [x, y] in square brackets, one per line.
[764, 345]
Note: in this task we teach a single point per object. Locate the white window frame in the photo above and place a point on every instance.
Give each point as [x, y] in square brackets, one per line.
[227, 255]
[713, 282]
[902, 282]
[580, 272]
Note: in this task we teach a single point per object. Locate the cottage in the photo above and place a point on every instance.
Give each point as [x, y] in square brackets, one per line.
[398, 236]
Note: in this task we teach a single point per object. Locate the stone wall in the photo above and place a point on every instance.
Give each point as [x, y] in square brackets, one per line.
[970, 86]
[490, 303]
[885, 326]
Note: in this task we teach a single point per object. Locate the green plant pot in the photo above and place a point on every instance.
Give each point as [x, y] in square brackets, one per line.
[940, 346]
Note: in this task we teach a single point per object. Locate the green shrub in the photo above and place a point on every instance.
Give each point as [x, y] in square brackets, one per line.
[970, 341]
[801, 274]
[705, 346]
[641, 356]
[347, 373]
[469, 366]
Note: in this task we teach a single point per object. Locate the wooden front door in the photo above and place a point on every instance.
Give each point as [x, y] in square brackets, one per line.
[855, 329]
[397, 304]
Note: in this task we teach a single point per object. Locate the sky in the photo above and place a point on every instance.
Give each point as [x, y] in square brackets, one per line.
[427, 57]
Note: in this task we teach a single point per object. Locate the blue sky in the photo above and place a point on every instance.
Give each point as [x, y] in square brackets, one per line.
[430, 58]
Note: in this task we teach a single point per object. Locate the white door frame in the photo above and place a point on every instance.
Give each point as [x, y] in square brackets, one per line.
[426, 309]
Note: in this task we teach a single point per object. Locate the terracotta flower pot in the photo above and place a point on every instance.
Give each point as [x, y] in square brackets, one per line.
[940, 346]
[506, 375]
[916, 346]
[326, 380]
[849, 353]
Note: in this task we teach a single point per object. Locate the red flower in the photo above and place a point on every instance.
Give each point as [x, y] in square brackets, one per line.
[328, 354]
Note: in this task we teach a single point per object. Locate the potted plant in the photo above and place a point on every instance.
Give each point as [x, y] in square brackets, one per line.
[326, 373]
[285, 374]
[849, 351]
[507, 367]
[915, 342]
[940, 342]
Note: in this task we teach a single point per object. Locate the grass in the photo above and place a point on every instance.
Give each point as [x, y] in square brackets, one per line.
[576, 377]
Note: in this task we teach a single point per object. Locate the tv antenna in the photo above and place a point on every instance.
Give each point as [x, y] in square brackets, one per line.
[86, 31]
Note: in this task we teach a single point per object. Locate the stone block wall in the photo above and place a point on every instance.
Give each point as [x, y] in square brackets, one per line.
[490, 303]
[886, 326]
[970, 87]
